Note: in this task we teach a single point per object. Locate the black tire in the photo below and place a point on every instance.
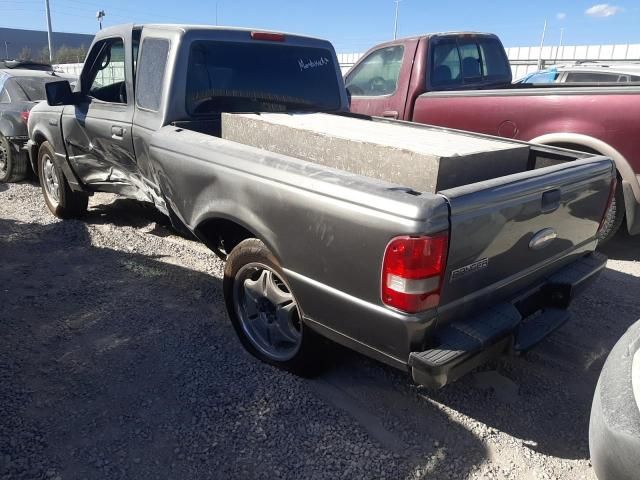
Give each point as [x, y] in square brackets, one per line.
[14, 166]
[307, 360]
[614, 217]
[614, 427]
[68, 204]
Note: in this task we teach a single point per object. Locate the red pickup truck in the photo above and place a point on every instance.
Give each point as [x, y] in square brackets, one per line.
[463, 81]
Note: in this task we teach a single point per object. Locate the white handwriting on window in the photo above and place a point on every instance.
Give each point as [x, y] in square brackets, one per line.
[305, 65]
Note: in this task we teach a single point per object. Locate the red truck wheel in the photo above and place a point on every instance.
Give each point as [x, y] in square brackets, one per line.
[614, 217]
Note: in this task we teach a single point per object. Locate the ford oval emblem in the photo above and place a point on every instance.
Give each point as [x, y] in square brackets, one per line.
[542, 238]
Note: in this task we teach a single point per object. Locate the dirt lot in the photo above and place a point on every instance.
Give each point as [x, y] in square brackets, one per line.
[117, 361]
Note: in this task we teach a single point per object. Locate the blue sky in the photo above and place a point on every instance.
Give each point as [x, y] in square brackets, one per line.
[353, 25]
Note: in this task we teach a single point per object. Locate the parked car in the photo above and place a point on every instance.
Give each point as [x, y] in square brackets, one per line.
[25, 65]
[614, 429]
[463, 81]
[431, 283]
[20, 90]
[585, 72]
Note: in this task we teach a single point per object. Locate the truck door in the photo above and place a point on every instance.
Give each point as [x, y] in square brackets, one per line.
[97, 131]
[378, 83]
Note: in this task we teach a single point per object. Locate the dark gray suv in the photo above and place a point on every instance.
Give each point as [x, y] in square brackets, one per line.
[20, 90]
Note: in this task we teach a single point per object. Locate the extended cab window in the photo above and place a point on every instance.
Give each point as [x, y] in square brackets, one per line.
[260, 77]
[462, 61]
[106, 78]
[377, 74]
[153, 61]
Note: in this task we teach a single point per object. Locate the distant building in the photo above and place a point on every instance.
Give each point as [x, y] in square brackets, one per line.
[19, 42]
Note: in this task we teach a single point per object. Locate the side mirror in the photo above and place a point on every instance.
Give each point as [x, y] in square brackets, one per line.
[59, 93]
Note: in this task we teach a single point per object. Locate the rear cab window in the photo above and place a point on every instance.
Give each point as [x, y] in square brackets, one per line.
[467, 60]
[260, 77]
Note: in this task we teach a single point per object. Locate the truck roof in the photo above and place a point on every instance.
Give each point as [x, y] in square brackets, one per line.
[436, 34]
[180, 27]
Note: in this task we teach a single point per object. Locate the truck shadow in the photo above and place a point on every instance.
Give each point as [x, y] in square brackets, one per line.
[542, 399]
[119, 211]
[123, 365]
[623, 246]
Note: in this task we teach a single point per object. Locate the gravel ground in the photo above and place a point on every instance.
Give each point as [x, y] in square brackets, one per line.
[117, 360]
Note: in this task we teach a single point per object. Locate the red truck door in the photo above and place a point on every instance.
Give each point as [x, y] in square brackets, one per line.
[378, 83]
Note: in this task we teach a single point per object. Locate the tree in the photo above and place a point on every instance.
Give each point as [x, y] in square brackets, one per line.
[66, 54]
[43, 55]
[25, 54]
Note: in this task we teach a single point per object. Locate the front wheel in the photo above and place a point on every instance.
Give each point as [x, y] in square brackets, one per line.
[60, 199]
[265, 313]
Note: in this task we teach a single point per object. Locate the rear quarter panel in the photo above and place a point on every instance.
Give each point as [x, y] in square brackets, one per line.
[328, 228]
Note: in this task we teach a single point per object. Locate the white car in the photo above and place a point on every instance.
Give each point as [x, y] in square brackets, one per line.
[586, 72]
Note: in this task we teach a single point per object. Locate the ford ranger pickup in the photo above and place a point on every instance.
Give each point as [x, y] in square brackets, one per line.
[431, 282]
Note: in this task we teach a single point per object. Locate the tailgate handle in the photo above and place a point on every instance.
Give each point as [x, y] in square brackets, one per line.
[551, 201]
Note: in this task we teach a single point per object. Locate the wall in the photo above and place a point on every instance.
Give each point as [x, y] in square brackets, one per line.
[36, 40]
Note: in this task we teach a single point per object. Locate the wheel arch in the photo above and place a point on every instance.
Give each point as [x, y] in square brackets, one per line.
[38, 138]
[221, 234]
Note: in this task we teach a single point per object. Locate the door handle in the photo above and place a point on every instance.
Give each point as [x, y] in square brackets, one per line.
[117, 132]
[551, 201]
[390, 114]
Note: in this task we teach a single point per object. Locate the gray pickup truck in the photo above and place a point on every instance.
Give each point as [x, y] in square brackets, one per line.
[433, 283]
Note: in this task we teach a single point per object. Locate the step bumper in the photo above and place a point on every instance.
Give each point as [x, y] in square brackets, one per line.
[514, 326]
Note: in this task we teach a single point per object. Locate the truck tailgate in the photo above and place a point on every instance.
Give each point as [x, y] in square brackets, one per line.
[510, 232]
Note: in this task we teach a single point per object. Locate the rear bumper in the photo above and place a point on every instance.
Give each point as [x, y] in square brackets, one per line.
[516, 326]
[18, 142]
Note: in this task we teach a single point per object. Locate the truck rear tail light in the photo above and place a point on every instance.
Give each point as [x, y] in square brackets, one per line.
[269, 36]
[25, 116]
[412, 272]
[612, 194]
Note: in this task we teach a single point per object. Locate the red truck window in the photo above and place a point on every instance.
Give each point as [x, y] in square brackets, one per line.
[377, 74]
[463, 61]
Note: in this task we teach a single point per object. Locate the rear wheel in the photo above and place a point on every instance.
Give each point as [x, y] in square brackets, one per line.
[60, 199]
[265, 313]
[614, 216]
[13, 165]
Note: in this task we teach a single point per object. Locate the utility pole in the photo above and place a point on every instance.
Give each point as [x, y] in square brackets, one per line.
[395, 22]
[100, 15]
[216, 14]
[544, 32]
[560, 45]
[6, 50]
[46, 3]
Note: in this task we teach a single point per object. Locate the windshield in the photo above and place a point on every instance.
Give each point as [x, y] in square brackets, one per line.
[543, 76]
[253, 76]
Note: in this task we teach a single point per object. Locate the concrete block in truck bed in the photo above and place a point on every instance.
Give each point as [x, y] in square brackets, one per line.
[422, 159]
